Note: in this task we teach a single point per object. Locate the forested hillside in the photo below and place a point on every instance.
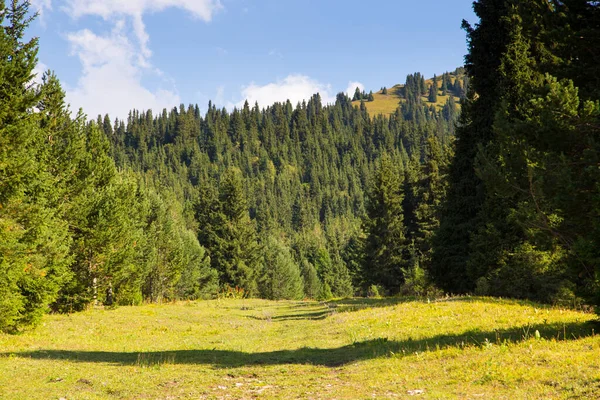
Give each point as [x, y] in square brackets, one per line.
[279, 196]
[440, 91]
[310, 200]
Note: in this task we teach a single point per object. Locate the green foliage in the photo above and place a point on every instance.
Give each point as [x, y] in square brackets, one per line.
[462, 209]
[416, 280]
[228, 234]
[531, 146]
[429, 193]
[312, 284]
[374, 292]
[385, 242]
[281, 278]
[198, 280]
[325, 292]
[33, 238]
[432, 97]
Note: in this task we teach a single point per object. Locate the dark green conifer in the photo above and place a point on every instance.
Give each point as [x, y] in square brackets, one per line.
[384, 226]
[33, 239]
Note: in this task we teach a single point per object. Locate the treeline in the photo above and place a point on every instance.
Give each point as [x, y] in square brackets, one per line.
[280, 197]
[522, 216]
[274, 202]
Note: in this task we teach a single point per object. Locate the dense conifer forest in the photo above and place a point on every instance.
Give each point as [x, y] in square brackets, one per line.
[313, 200]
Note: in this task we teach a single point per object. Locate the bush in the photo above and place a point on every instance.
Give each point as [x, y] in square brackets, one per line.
[374, 291]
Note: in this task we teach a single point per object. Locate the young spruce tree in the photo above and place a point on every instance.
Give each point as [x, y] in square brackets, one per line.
[384, 226]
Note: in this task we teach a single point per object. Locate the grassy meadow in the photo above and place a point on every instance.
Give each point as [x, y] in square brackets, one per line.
[466, 348]
[386, 104]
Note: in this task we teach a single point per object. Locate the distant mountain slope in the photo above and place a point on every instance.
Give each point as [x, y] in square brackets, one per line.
[387, 104]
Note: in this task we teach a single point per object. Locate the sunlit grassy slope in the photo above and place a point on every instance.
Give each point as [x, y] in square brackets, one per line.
[387, 104]
[456, 348]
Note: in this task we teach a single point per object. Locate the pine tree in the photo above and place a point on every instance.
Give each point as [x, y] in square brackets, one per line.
[432, 93]
[445, 84]
[229, 235]
[198, 280]
[281, 278]
[33, 239]
[430, 194]
[536, 194]
[385, 242]
[461, 215]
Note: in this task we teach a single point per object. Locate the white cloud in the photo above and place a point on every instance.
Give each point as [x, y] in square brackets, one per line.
[114, 64]
[39, 71]
[135, 9]
[352, 88]
[294, 88]
[111, 79]
[203, 9]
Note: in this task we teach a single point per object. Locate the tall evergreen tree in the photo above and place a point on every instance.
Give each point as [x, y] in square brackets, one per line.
[531, 169]
[385, 242]
[33, 239]
[433, 92]
[229, 235]
[462, 208]
[431, 193]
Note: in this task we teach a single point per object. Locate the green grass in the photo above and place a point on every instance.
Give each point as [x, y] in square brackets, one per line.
[356, 348]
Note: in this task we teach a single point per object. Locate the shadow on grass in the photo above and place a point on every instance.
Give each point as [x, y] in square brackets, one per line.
[333, 357]
[357, 304]
[322, 310]
[311, 316]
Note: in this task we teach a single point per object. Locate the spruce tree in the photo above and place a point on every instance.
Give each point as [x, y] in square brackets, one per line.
[445, 84]
[430, 194]
[312, 284]
[461, 215]
[228, 233]
[537, 192]
[432, 93]
[384, 226]
[33, 238]
[281, 277]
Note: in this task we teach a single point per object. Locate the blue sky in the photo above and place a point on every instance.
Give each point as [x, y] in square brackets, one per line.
[114, 55]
